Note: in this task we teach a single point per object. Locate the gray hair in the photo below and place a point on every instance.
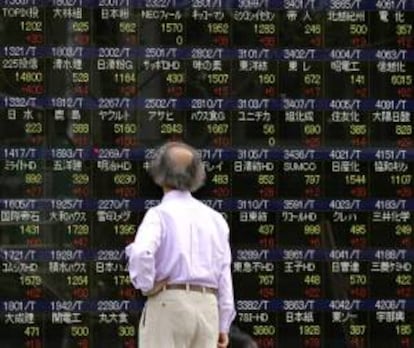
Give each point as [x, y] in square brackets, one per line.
[165, 172]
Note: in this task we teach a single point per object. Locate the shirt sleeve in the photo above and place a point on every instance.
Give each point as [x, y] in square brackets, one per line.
[141, 253]
[227, 311]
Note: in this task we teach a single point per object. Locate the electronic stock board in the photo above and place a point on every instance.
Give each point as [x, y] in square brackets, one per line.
[302, 112]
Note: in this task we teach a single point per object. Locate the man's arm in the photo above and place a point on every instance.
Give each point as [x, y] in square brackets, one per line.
[141, 253]
[225, 291]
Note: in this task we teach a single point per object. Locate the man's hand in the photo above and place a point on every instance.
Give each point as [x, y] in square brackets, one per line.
[156, 288]
[223, 340]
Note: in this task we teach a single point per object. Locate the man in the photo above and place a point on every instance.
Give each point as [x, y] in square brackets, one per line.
[181, 260]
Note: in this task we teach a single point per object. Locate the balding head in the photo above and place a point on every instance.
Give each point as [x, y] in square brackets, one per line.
[177, 166]
[180, 156]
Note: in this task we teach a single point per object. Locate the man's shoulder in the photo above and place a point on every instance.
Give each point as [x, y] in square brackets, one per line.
[214, 213]
[194, 202]
[152, 212]
[203, 205]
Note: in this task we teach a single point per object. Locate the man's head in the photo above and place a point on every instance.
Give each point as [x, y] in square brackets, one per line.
[177, 166]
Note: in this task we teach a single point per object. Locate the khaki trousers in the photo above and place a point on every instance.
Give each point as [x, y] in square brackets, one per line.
[179, 319]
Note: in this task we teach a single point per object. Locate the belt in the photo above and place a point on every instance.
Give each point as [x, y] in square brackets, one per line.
[190, 287]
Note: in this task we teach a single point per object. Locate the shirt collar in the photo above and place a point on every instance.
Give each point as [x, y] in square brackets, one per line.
[176, 194]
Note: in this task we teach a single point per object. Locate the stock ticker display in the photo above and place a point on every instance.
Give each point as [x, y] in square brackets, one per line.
[302, 111]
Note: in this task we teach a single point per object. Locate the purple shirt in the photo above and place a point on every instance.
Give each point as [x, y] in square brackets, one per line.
[186, 241]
